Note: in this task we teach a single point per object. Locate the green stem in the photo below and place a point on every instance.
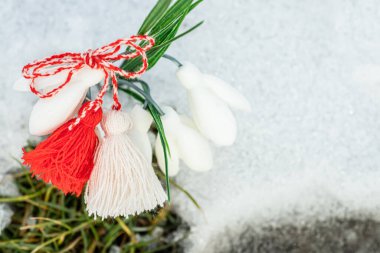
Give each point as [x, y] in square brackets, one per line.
[172, 59]
[144, 93]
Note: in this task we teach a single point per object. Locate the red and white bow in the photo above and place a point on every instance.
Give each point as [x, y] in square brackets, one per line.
[101, 58]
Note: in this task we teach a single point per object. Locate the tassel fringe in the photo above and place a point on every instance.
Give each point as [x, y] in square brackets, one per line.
[122, 182]
[65, 158]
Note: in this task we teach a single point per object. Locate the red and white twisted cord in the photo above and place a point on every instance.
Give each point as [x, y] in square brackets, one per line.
[100, 58]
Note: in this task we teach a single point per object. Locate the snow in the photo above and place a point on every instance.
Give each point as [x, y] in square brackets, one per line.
[309, 149]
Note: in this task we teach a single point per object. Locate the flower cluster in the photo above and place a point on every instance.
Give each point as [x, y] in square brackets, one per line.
[210, 100]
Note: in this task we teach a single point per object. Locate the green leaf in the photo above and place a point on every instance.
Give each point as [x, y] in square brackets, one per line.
[154, 15]
[164, 31]
[181, 35]
[160, 128]
[195, 4]
[162, 23]
[155, 53]
[155, 111]
[176, 10]
[133, 94]
[139, 94]
[157, 120]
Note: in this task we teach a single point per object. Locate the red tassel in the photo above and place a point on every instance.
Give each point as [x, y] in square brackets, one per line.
[66, 157]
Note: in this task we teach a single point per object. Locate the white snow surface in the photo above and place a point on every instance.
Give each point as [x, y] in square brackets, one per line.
[309, 149]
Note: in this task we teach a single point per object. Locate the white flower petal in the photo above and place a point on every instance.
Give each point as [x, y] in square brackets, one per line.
[51, 82]
[50, 113]
[89, 76]
[142, 120]
[42, 83]
[186, 120]
[212, 117]
[189, 76]
[22, 85]
[173, 159]
[171, 120]
[141, 140]
[226, 92]
[193, 149]
[139, 133]
[86, 75]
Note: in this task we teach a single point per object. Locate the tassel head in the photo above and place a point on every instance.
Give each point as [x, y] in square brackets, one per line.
[115, 123]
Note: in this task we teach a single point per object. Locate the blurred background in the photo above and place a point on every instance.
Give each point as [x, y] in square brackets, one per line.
[303, 175]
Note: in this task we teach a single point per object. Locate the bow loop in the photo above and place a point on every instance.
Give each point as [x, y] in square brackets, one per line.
[100, 58]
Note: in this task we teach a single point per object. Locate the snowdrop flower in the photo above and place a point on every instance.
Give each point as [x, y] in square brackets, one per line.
[185, 143]
[142, 120]
[209, 101]
[50, 113]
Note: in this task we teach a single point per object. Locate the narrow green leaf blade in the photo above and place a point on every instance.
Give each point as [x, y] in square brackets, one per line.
[155, 112]
[164, 143]
[154, 16]
[164, 32]
[195, 5]
[133, 94]
[181, 35]
[175, 11]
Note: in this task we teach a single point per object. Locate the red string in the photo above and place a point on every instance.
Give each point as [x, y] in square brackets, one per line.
[101, 58]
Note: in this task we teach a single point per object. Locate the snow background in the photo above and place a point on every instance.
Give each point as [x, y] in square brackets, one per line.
[310, 148]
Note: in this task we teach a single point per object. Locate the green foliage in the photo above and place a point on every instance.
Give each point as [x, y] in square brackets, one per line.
[155, 14]
[46, 220]
[143, 96]
[163, 23]
[155, 112]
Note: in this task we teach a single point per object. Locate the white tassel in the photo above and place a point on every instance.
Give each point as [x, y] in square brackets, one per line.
[122, 182]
